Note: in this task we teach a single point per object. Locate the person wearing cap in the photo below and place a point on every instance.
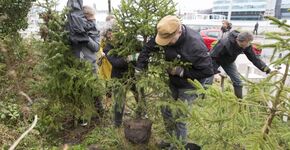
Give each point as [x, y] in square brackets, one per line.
[227, 50]
[185, 45]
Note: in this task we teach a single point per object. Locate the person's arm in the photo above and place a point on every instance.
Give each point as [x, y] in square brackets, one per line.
[201, 62]
[116, 61]
[218, 49]
[93, 44]
[144, 55]
[255, 60]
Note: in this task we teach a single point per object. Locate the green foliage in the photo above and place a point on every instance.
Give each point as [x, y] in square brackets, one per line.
[135, 24]
[221, 121]
[17, 61]
[10, 20]
[107, 138]
[68, 85]
[9, 111]
[138, 18]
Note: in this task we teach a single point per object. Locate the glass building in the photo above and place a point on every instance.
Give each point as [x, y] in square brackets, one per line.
[285, 14]
[251, 9]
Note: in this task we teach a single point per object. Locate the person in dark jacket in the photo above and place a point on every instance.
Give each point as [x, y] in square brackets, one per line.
[227, 50]
[256, 28]
[120, 71]
[182, 44]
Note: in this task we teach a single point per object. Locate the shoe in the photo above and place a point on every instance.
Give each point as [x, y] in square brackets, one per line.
[192, 146]
[83, 123]
[163, 145]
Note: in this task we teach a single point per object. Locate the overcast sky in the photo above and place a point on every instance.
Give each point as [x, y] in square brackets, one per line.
[182, 4]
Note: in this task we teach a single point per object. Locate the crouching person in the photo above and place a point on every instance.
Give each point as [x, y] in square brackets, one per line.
[182, 44]
[227, 50]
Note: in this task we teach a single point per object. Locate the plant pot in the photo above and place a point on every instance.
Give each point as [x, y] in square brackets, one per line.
[138, 131]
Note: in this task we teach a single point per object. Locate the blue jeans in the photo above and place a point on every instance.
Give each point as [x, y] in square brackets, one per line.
[232, 72]
[171, 125]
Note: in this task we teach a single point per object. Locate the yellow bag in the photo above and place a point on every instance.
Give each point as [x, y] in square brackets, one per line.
[105, 67]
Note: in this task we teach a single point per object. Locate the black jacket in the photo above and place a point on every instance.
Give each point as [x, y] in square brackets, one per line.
[119, 64]
[189, 48]
[227, 50]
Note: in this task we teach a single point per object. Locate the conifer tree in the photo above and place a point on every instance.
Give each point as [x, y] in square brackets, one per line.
[67, 83]
[136, 23]
[10, 20]
[221, 121]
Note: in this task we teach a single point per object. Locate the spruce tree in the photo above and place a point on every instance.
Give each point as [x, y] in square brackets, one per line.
[221, 121]
[67, 84]
[135, 24]
[12, 21]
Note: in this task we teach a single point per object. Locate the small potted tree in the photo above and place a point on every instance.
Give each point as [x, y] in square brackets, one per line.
[136, 21]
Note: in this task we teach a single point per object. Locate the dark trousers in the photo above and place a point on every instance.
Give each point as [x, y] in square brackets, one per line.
[232, 72]
[119, 96]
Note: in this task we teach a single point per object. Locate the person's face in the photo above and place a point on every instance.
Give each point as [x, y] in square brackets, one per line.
[244, 44]
[175, 38]
[109, 35]
[224, 24]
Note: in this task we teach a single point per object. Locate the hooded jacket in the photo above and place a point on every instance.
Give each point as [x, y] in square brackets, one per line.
[227, 50]
[189, 48]
[83, 34]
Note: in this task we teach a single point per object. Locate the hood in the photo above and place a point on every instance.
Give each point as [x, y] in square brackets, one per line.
[75, 4]
[233, 36]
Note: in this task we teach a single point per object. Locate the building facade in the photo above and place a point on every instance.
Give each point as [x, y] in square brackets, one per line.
[252, 9]
[285, 6]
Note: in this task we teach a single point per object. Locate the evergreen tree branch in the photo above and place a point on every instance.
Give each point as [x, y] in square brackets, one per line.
[277, 101]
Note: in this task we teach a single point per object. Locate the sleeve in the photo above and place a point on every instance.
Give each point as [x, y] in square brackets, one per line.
[255, 60]
[217, 50]
[201, 62]
[116, 61]
[143, 59]
[93, 44]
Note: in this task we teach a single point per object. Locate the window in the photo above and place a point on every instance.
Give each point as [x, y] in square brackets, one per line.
[213, 34]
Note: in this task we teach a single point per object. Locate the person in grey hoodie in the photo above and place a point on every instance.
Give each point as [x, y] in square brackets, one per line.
[90, 49]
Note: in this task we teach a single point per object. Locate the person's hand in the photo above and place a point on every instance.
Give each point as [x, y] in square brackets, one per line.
[267, 70]
[217, 78]
[176, 71]
[103, 54]
[132, 57]
[138, 72]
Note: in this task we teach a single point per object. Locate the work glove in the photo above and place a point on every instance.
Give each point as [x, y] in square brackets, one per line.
[267, 70]
[138, 71]
[132, 57]
[178, 71]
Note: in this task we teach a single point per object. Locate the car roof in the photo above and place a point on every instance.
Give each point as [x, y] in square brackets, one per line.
[207, 30]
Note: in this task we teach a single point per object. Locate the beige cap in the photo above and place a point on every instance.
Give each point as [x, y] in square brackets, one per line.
[167, 28]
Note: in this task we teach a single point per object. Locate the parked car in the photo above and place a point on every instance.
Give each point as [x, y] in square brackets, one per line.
[210, 36]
